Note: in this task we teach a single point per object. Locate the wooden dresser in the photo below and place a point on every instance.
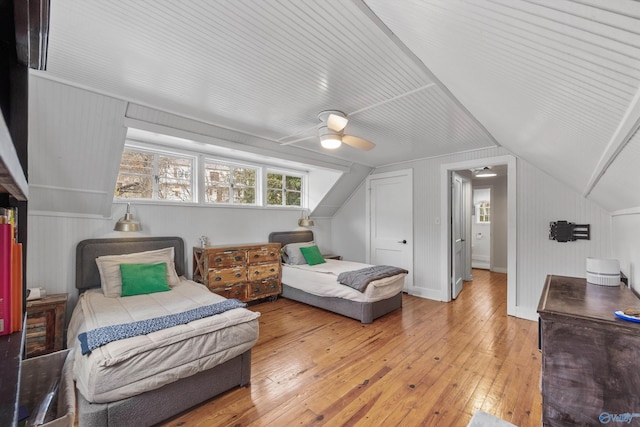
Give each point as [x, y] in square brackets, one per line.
[590, 358]
[245, 272]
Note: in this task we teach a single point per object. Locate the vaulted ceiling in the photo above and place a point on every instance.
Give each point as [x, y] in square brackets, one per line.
[556, 82]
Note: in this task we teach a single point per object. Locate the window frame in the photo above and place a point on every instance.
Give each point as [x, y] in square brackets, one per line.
[198, 178]
[156, 153]
[232, 165]
[286, 173]
[483, 209]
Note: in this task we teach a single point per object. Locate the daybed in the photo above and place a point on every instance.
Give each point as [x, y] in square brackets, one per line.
[317, 285]
[142, 380]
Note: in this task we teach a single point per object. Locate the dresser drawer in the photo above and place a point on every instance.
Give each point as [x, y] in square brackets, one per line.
[243, 271]
[264, 288]
[238, 291]
[263, 271]
[222, 276]
[227, 258]
[265, 254]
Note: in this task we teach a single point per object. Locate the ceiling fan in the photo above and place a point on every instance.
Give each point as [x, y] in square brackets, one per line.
[331, 132]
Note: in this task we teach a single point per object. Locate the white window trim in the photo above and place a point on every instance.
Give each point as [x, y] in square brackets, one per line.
[147, 148]
[233, 164]
[198, 180]
[304, 197]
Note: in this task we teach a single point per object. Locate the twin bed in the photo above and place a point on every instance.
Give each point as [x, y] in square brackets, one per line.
[142, 380]
[131, 379]
[317, 286]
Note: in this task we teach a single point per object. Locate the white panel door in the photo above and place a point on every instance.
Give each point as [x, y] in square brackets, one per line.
[457, 234]
[391, 221]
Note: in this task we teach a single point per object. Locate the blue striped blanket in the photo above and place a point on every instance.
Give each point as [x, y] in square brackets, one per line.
[95, 338]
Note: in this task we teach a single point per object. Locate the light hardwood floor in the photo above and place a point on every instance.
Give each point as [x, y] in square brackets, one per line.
[429, 364]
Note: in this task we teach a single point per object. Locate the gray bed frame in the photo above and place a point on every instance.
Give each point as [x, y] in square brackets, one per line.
[365, 312]
[157, 405]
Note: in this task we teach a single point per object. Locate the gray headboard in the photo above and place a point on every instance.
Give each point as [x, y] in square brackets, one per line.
[286, 237]
[87, 275]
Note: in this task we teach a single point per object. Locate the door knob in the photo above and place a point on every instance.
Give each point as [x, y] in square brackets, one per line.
[404, 242]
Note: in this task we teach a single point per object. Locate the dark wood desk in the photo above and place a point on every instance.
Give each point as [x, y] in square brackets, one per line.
[590, 358]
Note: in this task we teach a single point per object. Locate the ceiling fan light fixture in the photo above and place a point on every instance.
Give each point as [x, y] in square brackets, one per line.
[337, 121]
[329, 139]
[330, 142]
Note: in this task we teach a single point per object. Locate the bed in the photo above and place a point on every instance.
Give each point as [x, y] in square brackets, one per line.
[184, 365]
[317, 285]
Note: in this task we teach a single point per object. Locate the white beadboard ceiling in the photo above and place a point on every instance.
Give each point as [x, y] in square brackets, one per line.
[556, 82]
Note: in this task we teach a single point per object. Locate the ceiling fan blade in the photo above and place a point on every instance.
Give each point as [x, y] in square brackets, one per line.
[358, 142]
[336, 122]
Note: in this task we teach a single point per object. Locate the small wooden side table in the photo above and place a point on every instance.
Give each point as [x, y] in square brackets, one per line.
[45, 324]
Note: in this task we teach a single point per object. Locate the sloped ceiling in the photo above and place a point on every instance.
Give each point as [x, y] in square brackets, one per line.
[554, 81]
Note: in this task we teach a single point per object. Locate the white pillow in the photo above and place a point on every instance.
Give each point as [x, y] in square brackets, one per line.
[109, 268]
[293, 255]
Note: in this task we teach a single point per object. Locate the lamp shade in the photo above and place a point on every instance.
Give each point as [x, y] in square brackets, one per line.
[127, 223]
[305, 222]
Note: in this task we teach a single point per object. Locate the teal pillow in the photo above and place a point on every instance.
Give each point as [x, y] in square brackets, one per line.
[138, 279]
[312, 255]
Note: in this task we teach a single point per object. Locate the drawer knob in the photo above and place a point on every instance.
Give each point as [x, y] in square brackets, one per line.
[256, 290]
[238, 274]
[218, 259]
[217, 279]
[272, 254]
[256, 256]
[272, 270]
[238, 258]
[256, 272]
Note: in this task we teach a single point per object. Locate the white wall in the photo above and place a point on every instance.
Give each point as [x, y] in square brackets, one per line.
[540, 200]
[626, 246]
[53, 239]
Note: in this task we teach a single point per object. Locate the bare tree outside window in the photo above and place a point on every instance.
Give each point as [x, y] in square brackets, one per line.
[135, 180]
[148, 175]
[167, 175]
[230, 184]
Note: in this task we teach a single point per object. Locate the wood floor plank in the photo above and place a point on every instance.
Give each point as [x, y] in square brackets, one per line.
[430, 363]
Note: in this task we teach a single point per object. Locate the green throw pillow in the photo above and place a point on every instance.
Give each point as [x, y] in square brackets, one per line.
[138, 279]
[312, 255]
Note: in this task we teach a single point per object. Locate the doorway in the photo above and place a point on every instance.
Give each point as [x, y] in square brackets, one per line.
[481, 225]
[445, 226]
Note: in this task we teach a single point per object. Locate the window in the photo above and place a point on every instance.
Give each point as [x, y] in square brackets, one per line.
[283, 189]
[483, 212]
[155, 176]
[226, 183]
[181, 172]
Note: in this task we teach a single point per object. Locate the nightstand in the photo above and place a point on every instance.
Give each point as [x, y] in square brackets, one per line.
[331, 256]
[45, 324]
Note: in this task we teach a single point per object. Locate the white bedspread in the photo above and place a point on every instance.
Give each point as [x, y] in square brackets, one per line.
[134, 365]
[321, 280]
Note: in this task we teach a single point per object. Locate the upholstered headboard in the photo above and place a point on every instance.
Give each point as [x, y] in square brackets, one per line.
[87, 275]
[286, 237]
